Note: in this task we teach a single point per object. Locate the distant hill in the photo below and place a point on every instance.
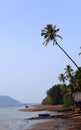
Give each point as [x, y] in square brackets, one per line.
[6, 100]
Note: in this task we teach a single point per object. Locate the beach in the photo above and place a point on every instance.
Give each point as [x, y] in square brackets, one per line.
[44, 125]
[68, 120]
[57, 124]
[41, 108]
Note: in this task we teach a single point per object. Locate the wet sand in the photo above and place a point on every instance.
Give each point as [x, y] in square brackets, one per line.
[57, 124]
[45, 125]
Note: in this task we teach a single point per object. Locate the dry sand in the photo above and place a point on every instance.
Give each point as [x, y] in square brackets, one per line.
[41, 108]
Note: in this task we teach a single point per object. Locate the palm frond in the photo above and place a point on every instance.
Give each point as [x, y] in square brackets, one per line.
[59, 36]
[54, 27]
[79, 53]
[46, 41]
[49, 26]
[55, 31]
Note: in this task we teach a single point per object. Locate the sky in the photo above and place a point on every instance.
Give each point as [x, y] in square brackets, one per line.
[27, 68]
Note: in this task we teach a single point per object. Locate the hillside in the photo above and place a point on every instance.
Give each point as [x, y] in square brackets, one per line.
[6, 100]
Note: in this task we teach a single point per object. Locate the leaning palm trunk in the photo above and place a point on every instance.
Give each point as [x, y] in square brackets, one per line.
[68, 56]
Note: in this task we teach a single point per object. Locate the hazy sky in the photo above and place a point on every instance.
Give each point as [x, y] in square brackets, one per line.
[28, 69]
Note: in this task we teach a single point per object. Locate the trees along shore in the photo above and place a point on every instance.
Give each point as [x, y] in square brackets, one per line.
[63, 93]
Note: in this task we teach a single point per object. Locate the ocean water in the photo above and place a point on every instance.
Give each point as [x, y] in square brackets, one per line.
[12, 119]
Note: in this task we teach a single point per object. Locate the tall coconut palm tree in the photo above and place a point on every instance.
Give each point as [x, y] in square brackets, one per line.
[62, 78]
[50, 34]
[69, 73]
[70, 76]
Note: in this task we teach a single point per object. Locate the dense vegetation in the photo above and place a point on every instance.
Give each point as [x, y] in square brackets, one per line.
[63, 93]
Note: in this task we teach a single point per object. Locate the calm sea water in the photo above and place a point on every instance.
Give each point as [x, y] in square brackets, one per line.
[12, 119]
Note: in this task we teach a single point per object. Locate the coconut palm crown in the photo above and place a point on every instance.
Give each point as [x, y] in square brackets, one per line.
[50, 34]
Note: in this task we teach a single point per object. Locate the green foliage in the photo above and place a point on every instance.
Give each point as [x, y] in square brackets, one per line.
[55, 94]
[77, 81]
[47, 100]
[67, 100]
[72, 79]
[62, 93]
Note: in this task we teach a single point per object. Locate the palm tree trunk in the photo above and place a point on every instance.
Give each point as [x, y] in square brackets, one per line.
[68, 56]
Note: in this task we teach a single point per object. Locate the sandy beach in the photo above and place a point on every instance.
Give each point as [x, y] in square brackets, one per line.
[69, 120]
[58, 124]
[45, 125]
[41, 108]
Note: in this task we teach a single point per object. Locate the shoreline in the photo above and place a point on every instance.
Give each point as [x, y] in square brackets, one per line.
[56, 121]
[41, 108]
[43, 125]
[57, 124]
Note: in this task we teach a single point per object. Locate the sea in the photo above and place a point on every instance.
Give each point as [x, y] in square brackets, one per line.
[13, 119]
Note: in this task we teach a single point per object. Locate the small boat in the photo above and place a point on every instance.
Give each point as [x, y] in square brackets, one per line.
[44, 115]
[26, 106]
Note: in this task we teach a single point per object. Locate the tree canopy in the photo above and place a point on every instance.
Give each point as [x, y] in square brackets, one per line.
[63, 93]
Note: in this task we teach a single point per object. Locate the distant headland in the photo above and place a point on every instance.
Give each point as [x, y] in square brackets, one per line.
[8, 101]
